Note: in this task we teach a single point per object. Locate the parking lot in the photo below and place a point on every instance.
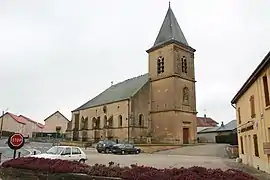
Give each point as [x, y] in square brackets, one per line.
[157, 160]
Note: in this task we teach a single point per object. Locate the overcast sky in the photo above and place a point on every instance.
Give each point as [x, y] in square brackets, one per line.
[58, 54]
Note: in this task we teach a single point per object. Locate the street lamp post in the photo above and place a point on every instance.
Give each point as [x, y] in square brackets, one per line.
[2, 122]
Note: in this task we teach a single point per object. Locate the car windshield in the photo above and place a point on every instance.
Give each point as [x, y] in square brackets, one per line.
[55, 150]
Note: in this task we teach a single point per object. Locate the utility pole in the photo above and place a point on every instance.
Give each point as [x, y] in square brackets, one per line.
[2, 121]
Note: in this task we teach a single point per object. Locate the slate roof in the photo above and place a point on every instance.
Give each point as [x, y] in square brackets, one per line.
[118, 92]
[169, 32]
[229, 126]
[170, 29]
[232, 125]
[208, 130]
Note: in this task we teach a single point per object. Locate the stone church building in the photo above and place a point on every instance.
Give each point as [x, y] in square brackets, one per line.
[159, 106]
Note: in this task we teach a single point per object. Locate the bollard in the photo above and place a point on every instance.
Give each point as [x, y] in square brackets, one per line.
[19, 154]
[35, 152]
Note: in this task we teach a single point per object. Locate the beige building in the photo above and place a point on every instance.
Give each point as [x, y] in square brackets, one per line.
[19, 124]
[55, 122]
[252, 105]
[11, 123]
[159, 106]
[31, 126]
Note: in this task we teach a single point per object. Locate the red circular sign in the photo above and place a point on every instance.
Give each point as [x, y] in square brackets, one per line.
[16, 141]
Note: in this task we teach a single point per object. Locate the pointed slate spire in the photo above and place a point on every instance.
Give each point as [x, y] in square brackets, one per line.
[170, 31]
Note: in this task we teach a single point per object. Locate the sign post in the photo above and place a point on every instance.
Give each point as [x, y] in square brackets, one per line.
[15, 142]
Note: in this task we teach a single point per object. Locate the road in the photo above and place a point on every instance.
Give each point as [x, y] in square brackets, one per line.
[210, 156]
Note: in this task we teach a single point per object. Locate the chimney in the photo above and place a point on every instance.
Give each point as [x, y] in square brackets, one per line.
[222, 125]
[111, 83]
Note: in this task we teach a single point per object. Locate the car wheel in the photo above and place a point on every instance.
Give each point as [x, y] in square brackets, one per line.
[123, 152]
[99, 151]
[107, 150]
[82, 161]
[137, 152]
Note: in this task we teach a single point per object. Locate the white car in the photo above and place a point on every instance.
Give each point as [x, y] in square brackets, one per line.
[70, 153]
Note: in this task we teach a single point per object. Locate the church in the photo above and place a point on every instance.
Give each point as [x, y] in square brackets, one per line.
[157, 107]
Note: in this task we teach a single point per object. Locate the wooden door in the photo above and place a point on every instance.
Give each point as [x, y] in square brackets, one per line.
[185, 135]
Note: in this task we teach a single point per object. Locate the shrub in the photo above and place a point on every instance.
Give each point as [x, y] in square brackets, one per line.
[129, 173]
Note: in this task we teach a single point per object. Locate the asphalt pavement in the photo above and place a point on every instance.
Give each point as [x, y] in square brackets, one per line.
[27, 149]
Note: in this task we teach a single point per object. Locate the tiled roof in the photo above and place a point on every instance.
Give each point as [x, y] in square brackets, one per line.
[206, 122]
[28, 119]
[16, 118]
[118, 92]
[40, 125]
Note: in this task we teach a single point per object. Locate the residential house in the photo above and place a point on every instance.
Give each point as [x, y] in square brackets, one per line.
[159, 106]
[210, 134]
[11, 123]
[31, 126]
[205, 122]
[252, 104]
[56, 122]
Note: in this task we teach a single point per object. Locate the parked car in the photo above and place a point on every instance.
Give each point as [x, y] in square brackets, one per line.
[105, 146]
[70, 153]
[125, 149]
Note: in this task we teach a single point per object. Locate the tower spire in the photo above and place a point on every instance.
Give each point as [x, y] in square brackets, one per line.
[170, 32]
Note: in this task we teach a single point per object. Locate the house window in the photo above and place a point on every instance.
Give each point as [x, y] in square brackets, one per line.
[184, 64]
[266, 91]
[141, 120]
[160, 65]
[242, 146]
[252, 106]
[239, 115]
[120, 121]
[255, 140]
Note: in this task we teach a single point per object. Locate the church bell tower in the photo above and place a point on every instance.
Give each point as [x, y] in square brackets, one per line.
[172, 85]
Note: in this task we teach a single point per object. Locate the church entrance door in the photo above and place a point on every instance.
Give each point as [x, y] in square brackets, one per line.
[185, 135]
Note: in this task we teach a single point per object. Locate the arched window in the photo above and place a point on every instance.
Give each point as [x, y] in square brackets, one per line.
[186, 95]
[184, 64]
[105, 121]
[82, 123]
[110, 121]
[94, 123]
[141, 120]
[86, 123]
[120, 121]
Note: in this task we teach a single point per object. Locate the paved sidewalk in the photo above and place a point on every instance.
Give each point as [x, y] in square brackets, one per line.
[250, 170]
